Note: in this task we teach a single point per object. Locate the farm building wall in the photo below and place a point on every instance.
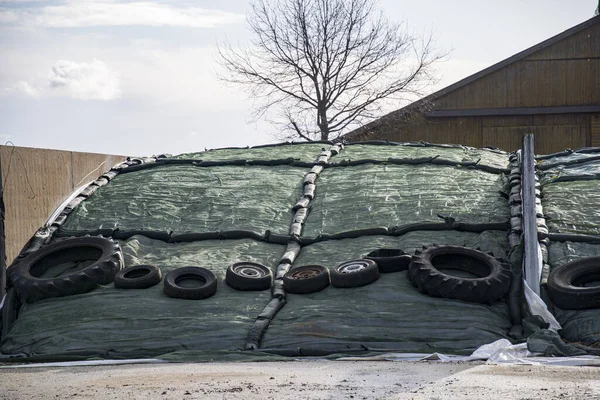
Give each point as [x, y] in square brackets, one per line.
[36, 181]
[553, 92]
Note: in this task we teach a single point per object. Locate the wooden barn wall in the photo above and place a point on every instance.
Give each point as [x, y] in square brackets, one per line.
[36, 181]
[552, 132]
[584, 44]
[564, 74]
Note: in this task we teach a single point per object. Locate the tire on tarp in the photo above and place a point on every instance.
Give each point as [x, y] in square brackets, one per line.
[26, 274]
[306, 279]
[491, 284]
[390, 260]
[566, 284]
[249, 276]
[206, 287]
[354, 273]
[138, 277]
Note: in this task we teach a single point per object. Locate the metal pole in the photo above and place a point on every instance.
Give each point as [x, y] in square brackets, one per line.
[532, 266]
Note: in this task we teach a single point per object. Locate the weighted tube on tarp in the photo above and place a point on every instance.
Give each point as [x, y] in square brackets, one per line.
[110, 175]
[89, 190]
[282, 269]
[310, 178]
[322, 160]
[309, 191]
[277, 289]
[317, 169]
[302, 203]
[256, 333]
[271, 309]
[58, 221]
[291, 252]
[73, 204]
[101, 182]
[300, 215]
[296, 229]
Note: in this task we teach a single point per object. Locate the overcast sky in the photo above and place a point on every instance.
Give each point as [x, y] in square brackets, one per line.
[139, 77]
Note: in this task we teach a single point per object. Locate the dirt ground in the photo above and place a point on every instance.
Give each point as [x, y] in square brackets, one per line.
[303, 380]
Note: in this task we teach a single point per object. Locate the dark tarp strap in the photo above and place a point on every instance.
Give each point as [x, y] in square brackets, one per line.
[193, 236]
[544, 167]
[106, 232]
[568, 152]
[276, 238]
[573, 237]
[165, 236]
[241, 234]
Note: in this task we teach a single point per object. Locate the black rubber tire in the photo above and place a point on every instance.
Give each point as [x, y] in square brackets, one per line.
[306, 279]
[354, 273]
[249, 276]
[492, 284]
[390, 260]
[25, 275]
[206, 289]
[565, 284]
[138, 277]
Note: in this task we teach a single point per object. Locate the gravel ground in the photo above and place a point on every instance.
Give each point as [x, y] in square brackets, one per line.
[302, 380]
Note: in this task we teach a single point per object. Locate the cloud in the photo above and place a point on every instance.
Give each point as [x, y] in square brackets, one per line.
[83, 81]
[78, 14]
[21, 87]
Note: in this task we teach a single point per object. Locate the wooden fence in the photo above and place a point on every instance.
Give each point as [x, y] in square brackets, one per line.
[36, 181]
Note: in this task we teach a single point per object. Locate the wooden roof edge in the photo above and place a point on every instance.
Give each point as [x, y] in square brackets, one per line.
[471, 78]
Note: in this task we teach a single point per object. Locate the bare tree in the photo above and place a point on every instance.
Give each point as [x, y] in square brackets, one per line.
[327, 66]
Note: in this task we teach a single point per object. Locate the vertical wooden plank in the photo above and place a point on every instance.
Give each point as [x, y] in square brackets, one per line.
[595, 131]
